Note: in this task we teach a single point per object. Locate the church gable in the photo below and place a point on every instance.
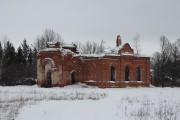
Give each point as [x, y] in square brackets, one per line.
[126, 49]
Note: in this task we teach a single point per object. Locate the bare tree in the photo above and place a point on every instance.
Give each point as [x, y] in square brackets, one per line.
[136, 43]
[166, 63]
[47, 36]
[87, 48]
[79, 46]
[164, 58]
[50, 36]
[101, 47]
[156, 59]
[175, 58]
[92, 48]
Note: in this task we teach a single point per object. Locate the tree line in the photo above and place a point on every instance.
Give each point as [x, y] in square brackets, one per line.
[166, 62]
[19, 66]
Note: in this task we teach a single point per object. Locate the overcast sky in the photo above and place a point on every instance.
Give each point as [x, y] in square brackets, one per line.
[94, 20]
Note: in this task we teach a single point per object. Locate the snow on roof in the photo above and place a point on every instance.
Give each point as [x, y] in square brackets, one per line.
[68, 45]
[113, 50]
[89, 55]
[51, 49]
[72, 45]
[127, 53]
[64, 51]
[112, 54]
[107, 52]
[51, 42]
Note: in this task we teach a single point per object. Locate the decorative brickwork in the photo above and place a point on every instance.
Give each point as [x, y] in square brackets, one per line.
[61, 66]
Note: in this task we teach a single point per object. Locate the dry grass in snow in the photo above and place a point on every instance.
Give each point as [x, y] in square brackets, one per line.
[14, 98]
[83, 102]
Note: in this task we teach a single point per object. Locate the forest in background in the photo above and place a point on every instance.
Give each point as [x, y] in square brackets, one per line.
[166, 62]
[17, 67]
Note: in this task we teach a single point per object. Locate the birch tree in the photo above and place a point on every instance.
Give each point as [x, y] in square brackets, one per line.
[136, 44]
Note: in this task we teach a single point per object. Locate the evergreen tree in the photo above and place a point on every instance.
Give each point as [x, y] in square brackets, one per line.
[30, 64]
[16, 67]
[25, 49]
[25, 52]
[20, 57]
[1, 56]
[20, 65]
[1, 52]
[30, 56]
[9, 65]
[34, 63]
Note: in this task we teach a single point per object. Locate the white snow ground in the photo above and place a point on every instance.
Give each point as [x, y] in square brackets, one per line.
[81, 102]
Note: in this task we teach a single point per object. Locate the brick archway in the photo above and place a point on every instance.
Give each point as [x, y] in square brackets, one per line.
[46, 60]
[48, 67]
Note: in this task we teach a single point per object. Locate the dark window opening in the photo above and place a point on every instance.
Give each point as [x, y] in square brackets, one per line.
[48, 80]
[113, 72]
[127, 78]
[138, 74]
[73, 77]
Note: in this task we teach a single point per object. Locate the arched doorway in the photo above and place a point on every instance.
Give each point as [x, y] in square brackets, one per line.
[73, 77]
[47, 72]
[113, 73]
[127, 77]
[138, 73]
[48, 78]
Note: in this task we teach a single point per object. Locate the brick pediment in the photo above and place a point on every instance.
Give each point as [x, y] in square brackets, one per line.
[126, 48]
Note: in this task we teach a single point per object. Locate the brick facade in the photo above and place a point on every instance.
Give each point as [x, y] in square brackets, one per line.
[62, 65]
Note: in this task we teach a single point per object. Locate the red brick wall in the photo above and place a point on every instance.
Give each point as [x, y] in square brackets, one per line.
[99, 69]
[103, 66]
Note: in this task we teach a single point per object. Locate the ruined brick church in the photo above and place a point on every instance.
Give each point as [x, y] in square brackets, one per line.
[61, 65]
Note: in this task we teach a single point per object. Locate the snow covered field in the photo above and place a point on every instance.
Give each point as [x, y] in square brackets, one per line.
[81, 102]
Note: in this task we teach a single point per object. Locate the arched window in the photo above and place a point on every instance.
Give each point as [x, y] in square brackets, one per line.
[113, 73]
[127, 78]
[73, 77]
[138, 73]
